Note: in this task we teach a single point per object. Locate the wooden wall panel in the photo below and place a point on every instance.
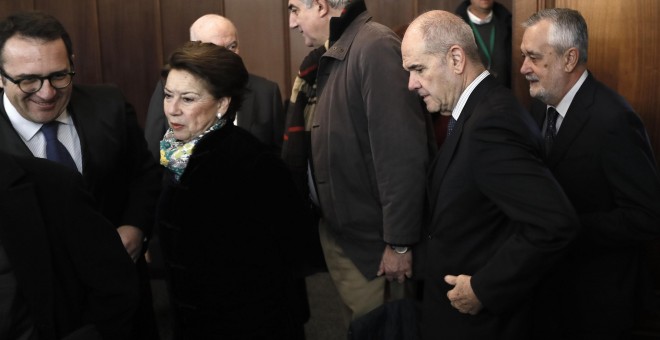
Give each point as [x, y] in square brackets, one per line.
[624, 44]
[8, 6]
[522, 9]
[263, 46]
[81, 21]
[392, 13]
[176, 16]
[128, 48]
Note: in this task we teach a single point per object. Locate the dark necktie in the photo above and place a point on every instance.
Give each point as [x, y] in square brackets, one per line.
[55, 150]
[450, 126]
[551, 129]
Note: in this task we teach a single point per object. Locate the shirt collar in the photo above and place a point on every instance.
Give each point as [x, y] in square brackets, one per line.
[565, 102]
[478, 21]
[456, 112]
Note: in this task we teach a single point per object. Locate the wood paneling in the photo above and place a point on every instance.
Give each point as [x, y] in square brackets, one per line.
[128, 48]
[521, 11]
[392, 13]
[8, 6]
[81, 21]
[176, 16]
[624, 44]
[263, 45]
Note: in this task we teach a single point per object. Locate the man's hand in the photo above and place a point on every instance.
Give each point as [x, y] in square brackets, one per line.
[132, 238]
[462, 296]
[395, 266]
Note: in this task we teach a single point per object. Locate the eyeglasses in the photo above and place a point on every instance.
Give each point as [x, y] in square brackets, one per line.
[32, 84]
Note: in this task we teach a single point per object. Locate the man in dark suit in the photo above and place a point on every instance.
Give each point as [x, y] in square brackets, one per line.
[63, 268]
[598, 150]
[499, 220]
[96, 129]
[262, 113]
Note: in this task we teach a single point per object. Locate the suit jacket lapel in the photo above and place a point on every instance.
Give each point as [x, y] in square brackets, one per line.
[574, 120]
[438, 168]
[90, 129]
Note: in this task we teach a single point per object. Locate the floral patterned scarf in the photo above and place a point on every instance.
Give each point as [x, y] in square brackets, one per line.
[175, 154]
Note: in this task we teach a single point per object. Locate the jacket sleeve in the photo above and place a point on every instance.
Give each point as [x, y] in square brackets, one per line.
[508, 169]
[103, 267]
[397, 135]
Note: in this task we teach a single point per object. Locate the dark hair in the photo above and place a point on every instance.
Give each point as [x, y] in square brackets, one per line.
[222, 69]
[34, 24]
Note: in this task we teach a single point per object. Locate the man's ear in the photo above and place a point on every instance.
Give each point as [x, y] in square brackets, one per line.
[571, 57]
[322, 7]
[457, 59]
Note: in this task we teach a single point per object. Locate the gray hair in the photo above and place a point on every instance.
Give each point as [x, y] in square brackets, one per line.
[441, 30]
[568, 29]
[332, 3]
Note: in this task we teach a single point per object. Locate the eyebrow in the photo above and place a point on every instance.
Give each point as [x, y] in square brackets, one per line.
[31, 75]
[412, 67]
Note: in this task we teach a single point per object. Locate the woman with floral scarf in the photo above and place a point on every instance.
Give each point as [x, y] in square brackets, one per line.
[229, 214]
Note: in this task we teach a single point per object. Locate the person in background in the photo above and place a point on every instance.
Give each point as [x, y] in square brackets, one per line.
[368, 156]
[64, 273]
[499, 220]
[491, 25]
[89, 128]
[229, 215]
[296, 149]
[262, 113]
[599, 151]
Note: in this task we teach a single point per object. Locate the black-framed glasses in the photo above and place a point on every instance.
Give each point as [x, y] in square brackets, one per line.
[32, 84]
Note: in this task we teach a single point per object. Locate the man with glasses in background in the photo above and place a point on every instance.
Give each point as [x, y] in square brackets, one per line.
[90, 129]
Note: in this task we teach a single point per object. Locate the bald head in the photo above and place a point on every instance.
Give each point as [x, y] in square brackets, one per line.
[440, 54]
[215, 29]
[441, 29]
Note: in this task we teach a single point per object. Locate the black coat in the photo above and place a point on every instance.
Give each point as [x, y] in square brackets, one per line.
[603, 159]
[70, 265]
[117, 168]
[497, 215]
[229, 232]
